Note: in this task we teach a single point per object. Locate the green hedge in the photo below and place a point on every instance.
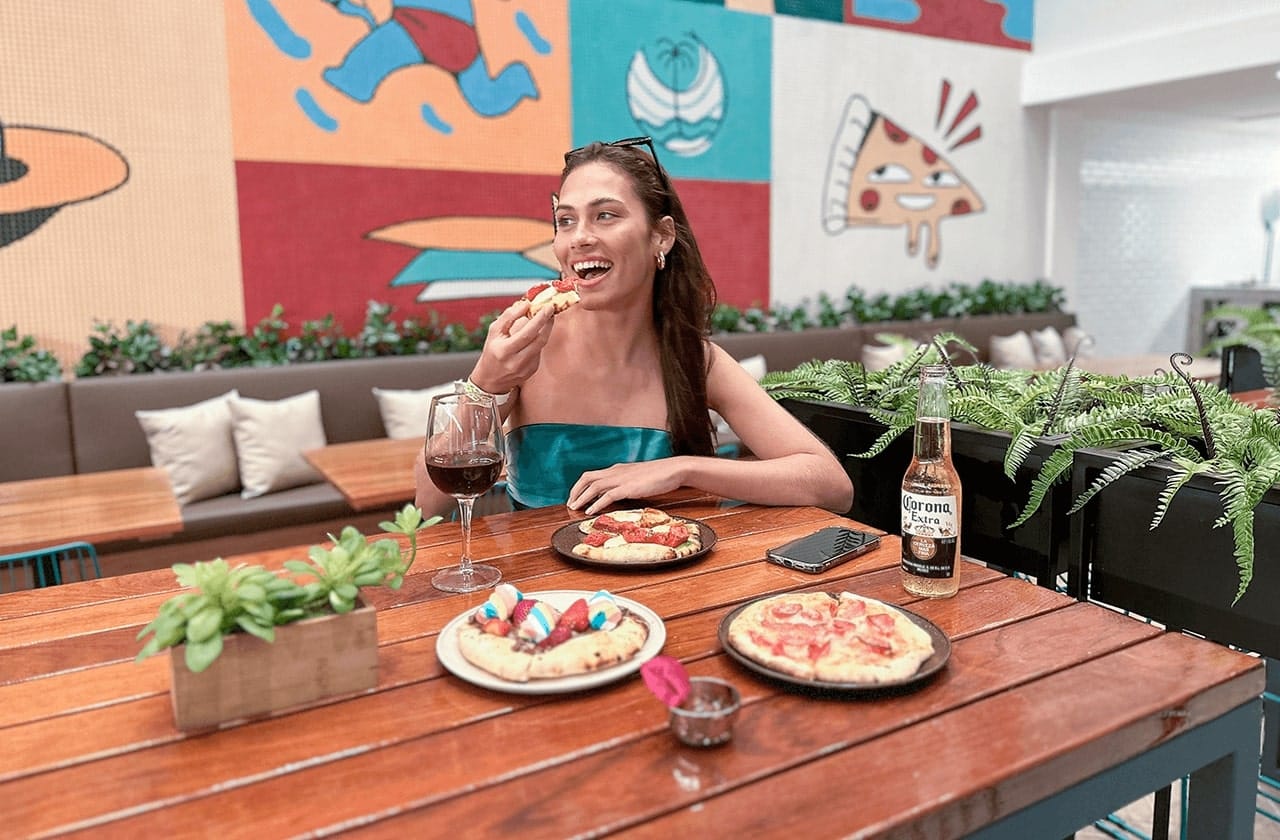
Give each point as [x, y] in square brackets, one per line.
[137, 348]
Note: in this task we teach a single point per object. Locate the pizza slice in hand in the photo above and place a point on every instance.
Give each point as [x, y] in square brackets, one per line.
[558, 294]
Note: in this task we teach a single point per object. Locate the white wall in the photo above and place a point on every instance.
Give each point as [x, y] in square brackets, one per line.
[900, 75]
[1086, 47]
[1144, 205]
[1067, 25]
[1163, 208]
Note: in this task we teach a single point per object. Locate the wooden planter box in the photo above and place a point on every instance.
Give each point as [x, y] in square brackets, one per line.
[308, 661]
[989, 502]
[1181, 574]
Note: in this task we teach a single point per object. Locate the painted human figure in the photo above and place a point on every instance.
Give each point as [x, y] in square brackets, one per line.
[441, 33]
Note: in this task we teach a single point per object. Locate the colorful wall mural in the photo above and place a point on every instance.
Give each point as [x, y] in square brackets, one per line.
[406, 150]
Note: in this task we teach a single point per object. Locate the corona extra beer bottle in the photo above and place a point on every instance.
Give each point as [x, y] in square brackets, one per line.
[931, 496]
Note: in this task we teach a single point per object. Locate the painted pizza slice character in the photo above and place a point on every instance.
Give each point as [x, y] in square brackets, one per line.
[880, 174]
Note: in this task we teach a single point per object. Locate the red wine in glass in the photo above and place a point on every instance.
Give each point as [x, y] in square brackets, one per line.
[465, 473]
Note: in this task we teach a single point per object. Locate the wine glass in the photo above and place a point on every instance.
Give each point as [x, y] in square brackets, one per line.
[464, 454]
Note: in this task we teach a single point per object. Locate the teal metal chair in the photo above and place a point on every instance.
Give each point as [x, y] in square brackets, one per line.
[48, 566]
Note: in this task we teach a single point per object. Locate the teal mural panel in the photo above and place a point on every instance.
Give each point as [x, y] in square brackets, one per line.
[694, 77]
[817, 9]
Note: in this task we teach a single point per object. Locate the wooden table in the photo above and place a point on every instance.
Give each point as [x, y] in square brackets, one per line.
[95, 507]
[1049, 714]
[1145, 364]
[369, 473]
[1258, 398]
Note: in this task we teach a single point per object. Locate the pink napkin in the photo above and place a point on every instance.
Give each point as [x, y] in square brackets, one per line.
[667, 679]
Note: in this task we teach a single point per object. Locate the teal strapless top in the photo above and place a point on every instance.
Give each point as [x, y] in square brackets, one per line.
[544, 460]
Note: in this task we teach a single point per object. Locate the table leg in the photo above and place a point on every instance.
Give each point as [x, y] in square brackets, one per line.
[1271, 722]
[1160, 813]
[1221, 756]
[1221, 795]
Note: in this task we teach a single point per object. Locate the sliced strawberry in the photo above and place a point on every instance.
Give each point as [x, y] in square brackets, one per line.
[577, 617]
[533, 293]
[560, 633]
[605, 522]
[496, 627]
[675, 535]
[521, 609]
[672, 536]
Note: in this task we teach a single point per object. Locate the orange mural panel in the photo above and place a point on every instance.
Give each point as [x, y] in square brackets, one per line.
[472, 85]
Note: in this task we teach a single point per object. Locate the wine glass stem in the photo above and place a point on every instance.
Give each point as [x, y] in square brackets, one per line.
[464, 511]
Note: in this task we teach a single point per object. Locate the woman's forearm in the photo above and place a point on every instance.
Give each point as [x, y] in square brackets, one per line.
[799, 479]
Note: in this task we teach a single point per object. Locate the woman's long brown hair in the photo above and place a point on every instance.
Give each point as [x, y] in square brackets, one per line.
[684, 296]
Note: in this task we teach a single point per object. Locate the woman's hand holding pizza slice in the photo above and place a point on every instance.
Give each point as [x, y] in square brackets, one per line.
[512, 348]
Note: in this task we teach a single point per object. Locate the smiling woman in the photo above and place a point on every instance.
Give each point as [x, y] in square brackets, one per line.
[610, 399]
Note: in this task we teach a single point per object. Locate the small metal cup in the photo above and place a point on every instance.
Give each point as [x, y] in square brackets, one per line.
[706, 716]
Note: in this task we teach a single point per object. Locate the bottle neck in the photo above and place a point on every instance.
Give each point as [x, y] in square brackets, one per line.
[932, 439]
[933, 413]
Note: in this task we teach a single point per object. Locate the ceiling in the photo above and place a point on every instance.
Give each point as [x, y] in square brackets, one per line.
[1247, 99]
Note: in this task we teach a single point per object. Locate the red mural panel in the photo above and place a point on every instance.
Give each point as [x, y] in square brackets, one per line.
[976, 21]
[731, 221]
[305, 233]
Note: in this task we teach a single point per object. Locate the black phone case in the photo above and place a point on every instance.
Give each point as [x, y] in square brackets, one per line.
[823, 549]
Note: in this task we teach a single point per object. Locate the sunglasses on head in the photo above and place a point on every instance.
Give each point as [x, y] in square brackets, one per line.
[624, 143]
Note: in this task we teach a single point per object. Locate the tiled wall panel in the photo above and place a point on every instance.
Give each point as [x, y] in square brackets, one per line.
[1164, 208]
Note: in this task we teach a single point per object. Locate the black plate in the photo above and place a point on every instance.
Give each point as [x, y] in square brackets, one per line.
[931, 666]
[567, 536]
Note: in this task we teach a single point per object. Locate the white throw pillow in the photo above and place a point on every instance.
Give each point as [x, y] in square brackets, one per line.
[1049, 349]
[270, 439]
[1072, 337]
[193, 444]
[404, 412]
[1013, 351]
[881, 356]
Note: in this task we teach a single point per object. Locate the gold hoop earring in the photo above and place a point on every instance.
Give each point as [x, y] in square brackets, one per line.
[662, 261]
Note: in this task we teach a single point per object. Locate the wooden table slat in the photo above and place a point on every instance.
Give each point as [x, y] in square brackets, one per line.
[94, 507]
[370, 474]
[1114, 707]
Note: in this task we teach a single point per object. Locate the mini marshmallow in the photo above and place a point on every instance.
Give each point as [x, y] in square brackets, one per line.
[603, 611]
[538, 623]
[501, 602]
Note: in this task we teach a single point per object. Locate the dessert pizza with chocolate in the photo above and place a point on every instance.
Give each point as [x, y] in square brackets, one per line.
[843, 638]
[521, 638]
[643, 535]
[558, 294]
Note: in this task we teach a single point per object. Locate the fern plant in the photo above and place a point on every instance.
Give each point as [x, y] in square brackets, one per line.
[1253, 326]
[1199, 430]
[1195, 427]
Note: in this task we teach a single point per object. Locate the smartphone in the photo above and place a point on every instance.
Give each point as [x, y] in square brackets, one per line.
[823, 549]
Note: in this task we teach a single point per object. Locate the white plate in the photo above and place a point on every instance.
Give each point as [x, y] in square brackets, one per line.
[452, 659]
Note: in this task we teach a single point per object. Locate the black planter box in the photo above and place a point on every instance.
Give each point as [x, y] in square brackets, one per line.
[992, 502]
[1183, 573]
[989, 500]
[877, 482]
